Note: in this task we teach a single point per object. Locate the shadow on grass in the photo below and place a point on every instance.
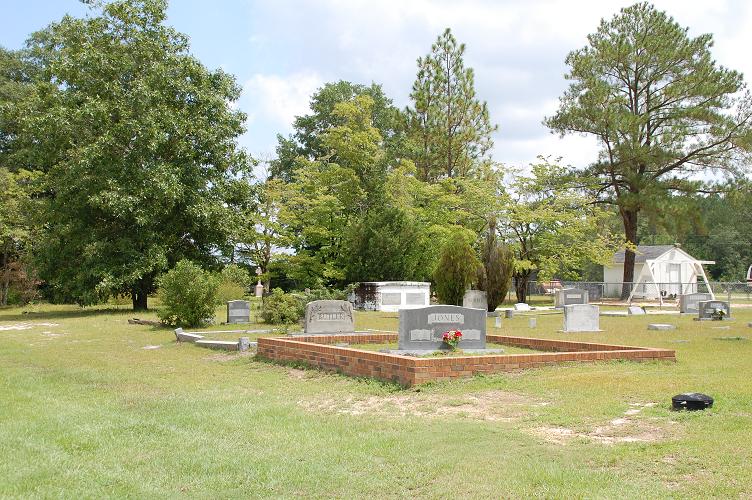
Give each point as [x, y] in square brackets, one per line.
[63, 314]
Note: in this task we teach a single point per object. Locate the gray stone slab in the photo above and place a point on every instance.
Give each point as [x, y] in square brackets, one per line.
[708, 309]
[509, 313]
[521, 306]
[476, 299]
[422, 329]
[418, 353]
[533, 322]
[635, 311]
[238, 311]
[690, 302]
[661, 326]
[569, 296]
[581, 318]
[244, 343]
[329, 316]
[497, 322]
[615, 313]
[182, 336]
[225, 345]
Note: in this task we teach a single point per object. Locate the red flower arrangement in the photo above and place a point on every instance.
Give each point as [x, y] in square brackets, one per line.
[452, 338]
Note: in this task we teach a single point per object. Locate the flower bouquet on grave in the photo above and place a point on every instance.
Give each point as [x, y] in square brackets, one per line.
[452, 338]
[718, 314]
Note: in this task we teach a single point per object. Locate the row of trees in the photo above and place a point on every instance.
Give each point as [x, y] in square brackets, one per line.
[119, 158]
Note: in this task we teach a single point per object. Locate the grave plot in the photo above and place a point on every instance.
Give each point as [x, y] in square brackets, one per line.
[320, 351]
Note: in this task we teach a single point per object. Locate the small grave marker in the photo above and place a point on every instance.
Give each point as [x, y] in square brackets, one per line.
[238, 311]
[581, 318]
[475, 299]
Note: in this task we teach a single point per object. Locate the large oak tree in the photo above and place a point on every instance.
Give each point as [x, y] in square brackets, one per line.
[139, 144]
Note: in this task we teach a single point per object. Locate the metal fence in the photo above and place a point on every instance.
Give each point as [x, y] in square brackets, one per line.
[600, 292]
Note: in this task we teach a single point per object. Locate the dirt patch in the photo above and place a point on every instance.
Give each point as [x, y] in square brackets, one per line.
[229, 356]
[24, 326]
[625, 429]
[488, 406]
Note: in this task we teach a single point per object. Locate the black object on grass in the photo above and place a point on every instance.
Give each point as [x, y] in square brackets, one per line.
[691, 401]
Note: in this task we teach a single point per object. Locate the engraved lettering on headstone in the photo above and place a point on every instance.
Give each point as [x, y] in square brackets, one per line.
[420, 335]
[446, 318]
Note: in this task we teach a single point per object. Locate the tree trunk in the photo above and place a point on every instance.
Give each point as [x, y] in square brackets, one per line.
[520, 287]
[629, 217]
[140, 295]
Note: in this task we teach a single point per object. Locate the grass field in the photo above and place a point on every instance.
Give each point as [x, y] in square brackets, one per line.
[93, 407]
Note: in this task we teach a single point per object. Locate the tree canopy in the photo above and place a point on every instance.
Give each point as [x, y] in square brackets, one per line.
[661, 108]
[139, 142]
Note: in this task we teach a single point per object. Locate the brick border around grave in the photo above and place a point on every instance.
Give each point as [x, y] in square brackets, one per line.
[408, 371]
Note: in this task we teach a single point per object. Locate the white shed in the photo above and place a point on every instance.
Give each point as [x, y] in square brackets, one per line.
[391, 296]
[661, 271]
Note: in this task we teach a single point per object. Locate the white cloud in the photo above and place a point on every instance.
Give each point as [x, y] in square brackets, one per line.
[279, 99]
[517, 50]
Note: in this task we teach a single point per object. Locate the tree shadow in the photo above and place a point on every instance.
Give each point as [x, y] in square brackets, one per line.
[63, 314]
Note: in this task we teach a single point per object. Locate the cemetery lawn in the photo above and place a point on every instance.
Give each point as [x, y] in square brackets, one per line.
[91, 406]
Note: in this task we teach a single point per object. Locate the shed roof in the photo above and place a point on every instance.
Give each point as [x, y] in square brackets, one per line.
[644, 252]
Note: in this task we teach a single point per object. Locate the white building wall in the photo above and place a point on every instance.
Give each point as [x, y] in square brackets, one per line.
[393, 296]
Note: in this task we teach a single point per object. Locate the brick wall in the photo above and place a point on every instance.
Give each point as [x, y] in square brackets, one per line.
[408, 371]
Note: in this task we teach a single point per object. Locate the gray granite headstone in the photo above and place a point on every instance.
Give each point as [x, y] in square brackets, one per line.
[569, 296]
[475, 299]
[635, 311]
[244, 343]
[238, 311]
[497, 322]
[422, 329]
[707, 309]
[582, 318]
[329, 316]
[533, 322]
[690, 303]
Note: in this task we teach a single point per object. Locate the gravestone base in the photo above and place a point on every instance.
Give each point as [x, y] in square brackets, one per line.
[713, 319]
[614, 313]
[428, 352]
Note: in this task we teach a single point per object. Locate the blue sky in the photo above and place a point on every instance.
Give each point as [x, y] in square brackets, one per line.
[281, 51]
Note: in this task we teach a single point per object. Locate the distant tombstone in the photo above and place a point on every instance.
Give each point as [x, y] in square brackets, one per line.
[569, 296]
[422, 329]
[635, 311]
[533, 322]
[690, 303]
[497, 323]
[708, 309]
[244, 343]
[661, 326]
[475, 299]
[329, 316]
[509, 313]
[238, 311]
[521, 306]
[582, 318]
[259, 290]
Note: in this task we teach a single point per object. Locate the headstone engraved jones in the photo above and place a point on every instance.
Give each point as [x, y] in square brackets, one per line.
[422, 329]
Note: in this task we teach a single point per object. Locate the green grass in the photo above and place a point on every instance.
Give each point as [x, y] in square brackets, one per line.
[86, 411]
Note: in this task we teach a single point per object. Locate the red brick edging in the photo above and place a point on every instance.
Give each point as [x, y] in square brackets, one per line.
[314, 351]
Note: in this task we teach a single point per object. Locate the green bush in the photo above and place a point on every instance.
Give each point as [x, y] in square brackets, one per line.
[280, 308]
[457, 268]
[233, 273]
[188, 295]
[229, 291]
